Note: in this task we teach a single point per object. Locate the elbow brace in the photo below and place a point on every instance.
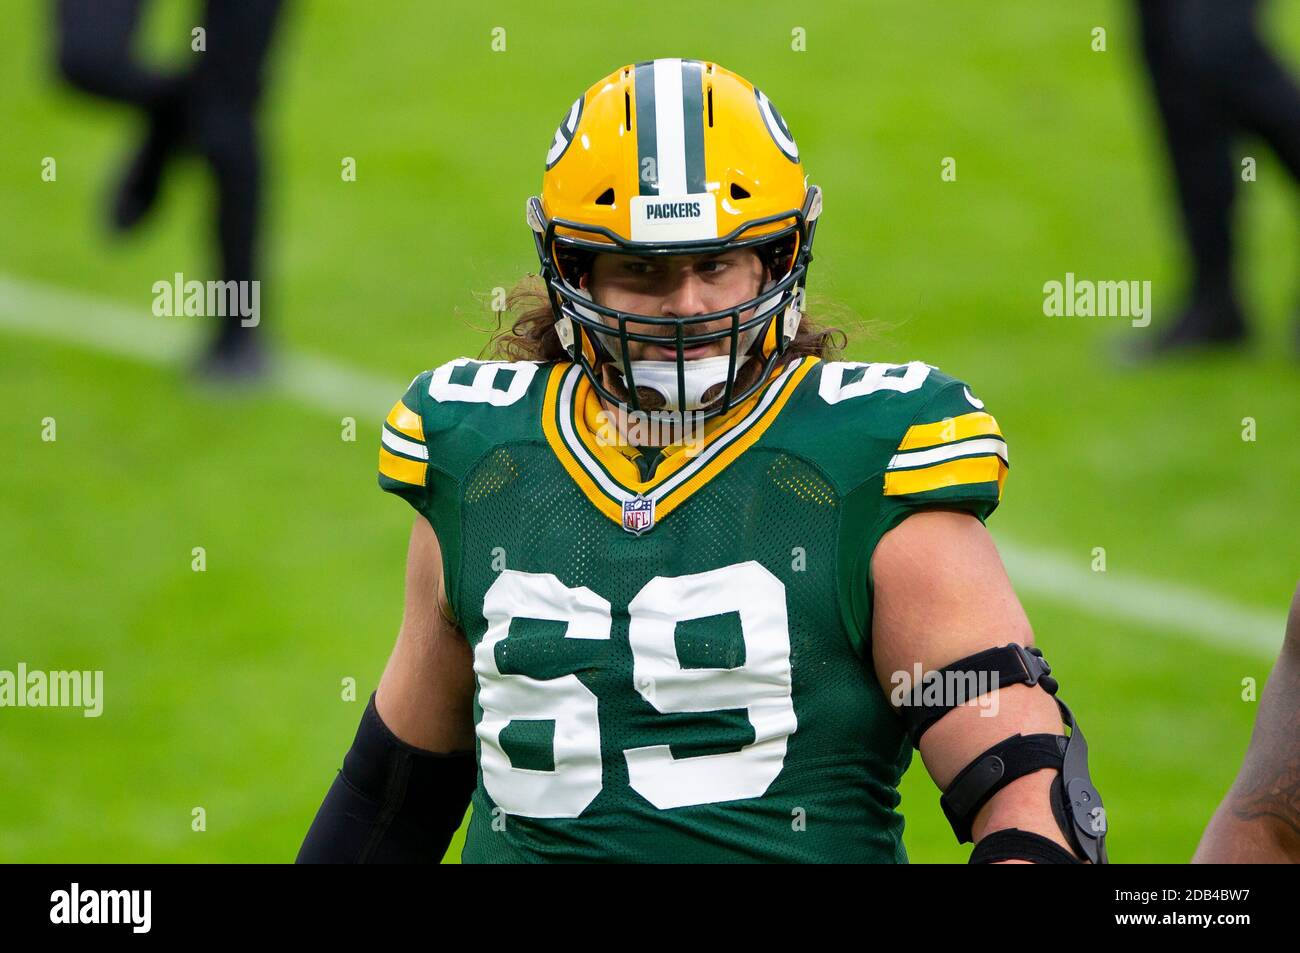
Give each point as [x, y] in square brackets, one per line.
[392, 803]
[1076, 803]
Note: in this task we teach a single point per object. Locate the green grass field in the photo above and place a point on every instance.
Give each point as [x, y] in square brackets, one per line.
[222, 687]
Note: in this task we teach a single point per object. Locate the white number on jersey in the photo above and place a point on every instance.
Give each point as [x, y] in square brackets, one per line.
[874, 377]
[488, 385]
[761, 686]
[575, 782]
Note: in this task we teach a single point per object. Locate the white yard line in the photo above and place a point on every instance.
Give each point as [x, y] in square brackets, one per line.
[104, 326]
[96, 324]
[1166, 608]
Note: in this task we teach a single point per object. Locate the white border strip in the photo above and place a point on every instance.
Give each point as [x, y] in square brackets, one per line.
[967, 448]
[402, 445]
[564, 409]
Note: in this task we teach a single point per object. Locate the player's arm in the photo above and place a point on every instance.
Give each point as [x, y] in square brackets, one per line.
[942, 595]
[1259, 819]
[407, 779]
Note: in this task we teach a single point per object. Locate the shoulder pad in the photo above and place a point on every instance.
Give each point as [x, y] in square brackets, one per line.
[917, 430]
[449, 415]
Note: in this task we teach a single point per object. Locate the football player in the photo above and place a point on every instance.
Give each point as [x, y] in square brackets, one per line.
[680, 587]
[1259, 819]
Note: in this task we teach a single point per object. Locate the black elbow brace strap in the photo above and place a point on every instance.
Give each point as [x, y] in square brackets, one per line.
[1076, 803]
[1011, 843]
[993, 770]
[391, 803]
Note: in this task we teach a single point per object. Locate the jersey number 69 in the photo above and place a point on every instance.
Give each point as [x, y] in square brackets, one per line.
[761, 686]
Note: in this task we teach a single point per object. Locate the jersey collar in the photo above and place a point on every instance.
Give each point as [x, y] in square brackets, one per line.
[586, 443]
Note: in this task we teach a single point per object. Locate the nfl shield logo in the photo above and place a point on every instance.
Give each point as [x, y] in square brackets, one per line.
[638, 514]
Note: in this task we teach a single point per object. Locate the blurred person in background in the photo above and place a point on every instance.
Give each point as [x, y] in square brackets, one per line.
[209, 108]
[1214, 79]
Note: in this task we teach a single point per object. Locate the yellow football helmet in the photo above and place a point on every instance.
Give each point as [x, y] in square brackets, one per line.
[674, 157]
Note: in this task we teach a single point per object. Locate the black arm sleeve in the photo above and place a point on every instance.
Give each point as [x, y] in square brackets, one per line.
[392, 803]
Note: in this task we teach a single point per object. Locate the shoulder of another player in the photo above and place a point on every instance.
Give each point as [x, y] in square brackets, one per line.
[1291, 645]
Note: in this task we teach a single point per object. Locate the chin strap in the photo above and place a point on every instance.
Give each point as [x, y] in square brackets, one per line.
[699, 377]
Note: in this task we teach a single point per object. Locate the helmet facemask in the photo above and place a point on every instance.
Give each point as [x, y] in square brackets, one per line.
[678, 391]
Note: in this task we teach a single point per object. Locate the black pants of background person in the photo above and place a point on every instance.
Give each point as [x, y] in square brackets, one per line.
[209, 107]
[1214, 79]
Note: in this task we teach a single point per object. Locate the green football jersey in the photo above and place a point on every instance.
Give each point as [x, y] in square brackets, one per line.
[678, 669]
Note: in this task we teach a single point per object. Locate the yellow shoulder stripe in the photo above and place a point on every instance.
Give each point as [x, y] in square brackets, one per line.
[406, 421]
[987, 469]
[401, 469]
[945, 431]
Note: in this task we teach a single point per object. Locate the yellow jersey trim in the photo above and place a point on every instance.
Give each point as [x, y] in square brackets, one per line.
[985, 469]
[401, 469]
[945, 431]
[406, 422]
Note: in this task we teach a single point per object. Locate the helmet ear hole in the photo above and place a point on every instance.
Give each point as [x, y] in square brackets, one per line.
[779, 257]
[572, 264]
[606, 197]
[738, 191]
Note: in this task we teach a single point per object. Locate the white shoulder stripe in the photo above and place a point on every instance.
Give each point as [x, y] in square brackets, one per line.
[967, 448]
[402, 445]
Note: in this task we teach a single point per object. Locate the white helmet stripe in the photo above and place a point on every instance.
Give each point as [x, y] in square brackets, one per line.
[670, 135]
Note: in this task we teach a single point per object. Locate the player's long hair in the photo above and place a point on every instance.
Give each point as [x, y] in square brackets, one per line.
[531, 335]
